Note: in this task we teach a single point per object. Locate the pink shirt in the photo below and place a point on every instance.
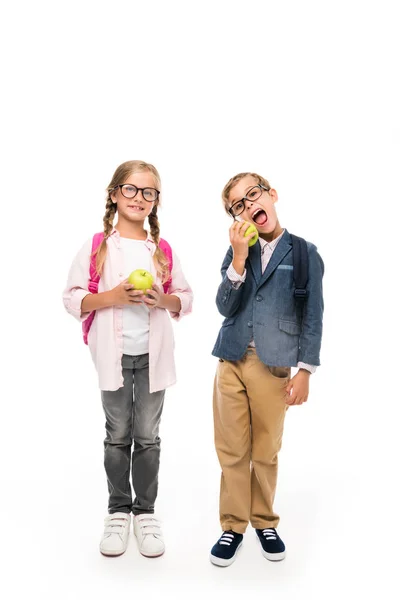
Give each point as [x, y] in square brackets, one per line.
[105, 336]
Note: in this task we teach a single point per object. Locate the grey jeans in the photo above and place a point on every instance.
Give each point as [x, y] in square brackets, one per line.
[132, 414]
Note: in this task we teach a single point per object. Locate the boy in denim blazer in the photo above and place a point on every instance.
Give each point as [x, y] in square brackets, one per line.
[264, 334]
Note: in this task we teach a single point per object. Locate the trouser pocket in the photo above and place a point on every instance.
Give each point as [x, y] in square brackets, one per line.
[279, 372]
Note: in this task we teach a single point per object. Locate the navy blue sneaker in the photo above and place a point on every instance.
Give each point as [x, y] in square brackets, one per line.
[272, 546]
[223, 553]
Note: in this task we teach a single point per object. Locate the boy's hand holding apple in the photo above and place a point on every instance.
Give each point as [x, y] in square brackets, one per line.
[241, 235]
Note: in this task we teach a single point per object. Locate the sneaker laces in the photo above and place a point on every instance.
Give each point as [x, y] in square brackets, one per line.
[226, 539]
[115, 524]
[269, 534]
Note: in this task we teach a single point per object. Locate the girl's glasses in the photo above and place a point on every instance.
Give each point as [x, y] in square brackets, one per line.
[252, 195]
[130, 191]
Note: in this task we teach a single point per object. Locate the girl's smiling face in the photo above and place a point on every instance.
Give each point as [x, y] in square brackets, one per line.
[137, 208]
[260, 211]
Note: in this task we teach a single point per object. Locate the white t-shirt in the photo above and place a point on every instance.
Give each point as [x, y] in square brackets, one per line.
[135, 318]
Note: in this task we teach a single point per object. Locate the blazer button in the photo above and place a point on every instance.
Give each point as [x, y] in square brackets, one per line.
[250, 323]
[259, 298]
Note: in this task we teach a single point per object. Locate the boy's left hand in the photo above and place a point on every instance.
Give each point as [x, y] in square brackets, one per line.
[297, 389]
[154, 297]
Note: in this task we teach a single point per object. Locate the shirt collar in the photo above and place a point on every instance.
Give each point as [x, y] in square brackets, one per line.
[272, 245]
[149, 240]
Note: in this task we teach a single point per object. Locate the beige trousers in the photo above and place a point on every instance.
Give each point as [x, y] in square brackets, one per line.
[249, 413]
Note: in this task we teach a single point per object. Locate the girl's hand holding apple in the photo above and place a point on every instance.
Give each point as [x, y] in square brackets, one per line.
[124, 293]
[136, 289]
[154, 297]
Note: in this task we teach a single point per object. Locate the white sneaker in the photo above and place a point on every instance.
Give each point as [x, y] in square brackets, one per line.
[116, 533]
[149, 536]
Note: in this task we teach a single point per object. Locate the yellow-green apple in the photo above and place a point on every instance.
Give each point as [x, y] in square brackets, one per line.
[141, 279]
[249, 230]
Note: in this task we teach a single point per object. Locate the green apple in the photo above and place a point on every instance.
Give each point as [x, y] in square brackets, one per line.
[141, 279]
[249, 230]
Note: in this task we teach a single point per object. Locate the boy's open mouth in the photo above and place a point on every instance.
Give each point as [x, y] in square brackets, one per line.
[260, 216]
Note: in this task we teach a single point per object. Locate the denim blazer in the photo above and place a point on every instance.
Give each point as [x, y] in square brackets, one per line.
[264, 308]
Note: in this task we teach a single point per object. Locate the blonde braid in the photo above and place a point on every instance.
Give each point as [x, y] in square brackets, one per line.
[108, 221]
[160, 260]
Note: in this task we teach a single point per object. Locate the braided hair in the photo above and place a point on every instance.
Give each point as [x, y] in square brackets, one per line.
[160, 259]
[108, 220]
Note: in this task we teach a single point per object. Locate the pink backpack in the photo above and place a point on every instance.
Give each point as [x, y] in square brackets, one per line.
[94, 277]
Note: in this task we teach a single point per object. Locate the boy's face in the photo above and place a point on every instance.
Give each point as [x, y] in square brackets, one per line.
[261, 211]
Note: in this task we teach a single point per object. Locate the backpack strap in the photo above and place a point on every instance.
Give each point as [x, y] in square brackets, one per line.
[300, 269]
[94, 277]
[166, 248]
[93, 285]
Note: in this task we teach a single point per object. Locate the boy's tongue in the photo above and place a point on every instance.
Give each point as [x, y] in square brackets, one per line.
[261, 218]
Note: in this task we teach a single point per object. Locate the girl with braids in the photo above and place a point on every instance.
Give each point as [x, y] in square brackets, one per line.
[132, 345]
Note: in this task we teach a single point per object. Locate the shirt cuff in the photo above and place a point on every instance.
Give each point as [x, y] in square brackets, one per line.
[186, 306]
[309, 368]
[75, 302]
[234, 277]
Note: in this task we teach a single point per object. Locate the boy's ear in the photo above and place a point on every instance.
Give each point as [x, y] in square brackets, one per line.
[274, 195]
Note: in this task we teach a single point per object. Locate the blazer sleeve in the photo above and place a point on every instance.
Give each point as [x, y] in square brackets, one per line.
[179, 287]
[78, 282]
[228, 295]
[311, 331]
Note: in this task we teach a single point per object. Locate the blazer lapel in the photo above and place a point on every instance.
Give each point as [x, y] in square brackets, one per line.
[255, 261]
[283, 247]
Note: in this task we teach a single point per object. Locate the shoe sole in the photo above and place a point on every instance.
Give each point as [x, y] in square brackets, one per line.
[224, 562]
[273, 557]
[112, 555]
[152, 555]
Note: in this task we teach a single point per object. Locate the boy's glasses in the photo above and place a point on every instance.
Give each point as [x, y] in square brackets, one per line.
[253, 194]
[130, 191]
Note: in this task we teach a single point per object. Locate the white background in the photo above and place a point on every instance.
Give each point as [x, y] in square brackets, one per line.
[305, 93]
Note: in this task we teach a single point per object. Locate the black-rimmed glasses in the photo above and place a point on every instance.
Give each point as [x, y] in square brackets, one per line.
[130, 191]
[253, 194]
